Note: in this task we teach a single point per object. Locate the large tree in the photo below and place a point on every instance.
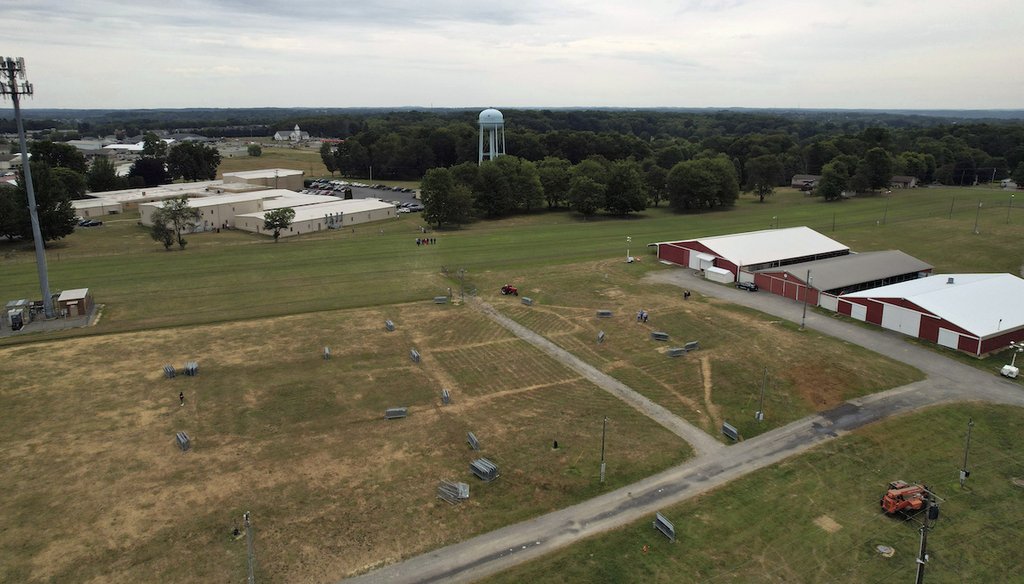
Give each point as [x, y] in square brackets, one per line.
[149, 171]
[492, 191]
[444, 200]
[193, 161]
[1017, 175]
[327, 156]
[53, 190]
[655, 181]
[624, 191]
[763, 173]
[554, 178]
[278, 219]
[703, 183]
[154, 146]
[874, 171]
[9, 211]
[70, 182]
[177, 215]
[523, 181]
[58, 155]
[585, 195]
[833, 181]
[254, 150]
[102, 176]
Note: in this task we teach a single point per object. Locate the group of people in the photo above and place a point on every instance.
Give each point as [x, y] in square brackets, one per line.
[426, 241]
[641, 316]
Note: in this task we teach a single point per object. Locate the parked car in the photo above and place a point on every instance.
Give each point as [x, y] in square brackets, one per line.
[748, 286]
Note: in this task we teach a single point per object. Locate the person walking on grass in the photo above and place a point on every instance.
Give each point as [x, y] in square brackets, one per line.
[181, 398]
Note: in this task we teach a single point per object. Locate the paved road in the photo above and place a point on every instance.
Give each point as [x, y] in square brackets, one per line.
[947, 381]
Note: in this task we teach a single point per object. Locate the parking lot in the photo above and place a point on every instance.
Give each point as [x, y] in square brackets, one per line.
[361, 190]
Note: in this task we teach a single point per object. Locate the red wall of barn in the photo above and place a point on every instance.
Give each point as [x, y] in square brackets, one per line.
[874, 315]
[670, 252]
[845, 307]
[727, 265]
[929, 329]
[1002, 341]
[968, 344]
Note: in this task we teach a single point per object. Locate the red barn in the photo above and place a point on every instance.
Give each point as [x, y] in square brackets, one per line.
[744, 253]
[973, 313]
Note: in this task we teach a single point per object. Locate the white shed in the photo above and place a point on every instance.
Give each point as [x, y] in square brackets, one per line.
[719, 275]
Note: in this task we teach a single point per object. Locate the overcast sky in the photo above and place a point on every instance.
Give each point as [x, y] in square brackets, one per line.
[913, 54]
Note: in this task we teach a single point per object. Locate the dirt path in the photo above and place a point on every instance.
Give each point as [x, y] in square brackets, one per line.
[714, 412]
[700, 441]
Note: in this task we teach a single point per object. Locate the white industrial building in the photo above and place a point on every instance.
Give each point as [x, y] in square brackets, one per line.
[274, 178]
[92, 208]
[318, 217]
[214, 212]
[973, 313]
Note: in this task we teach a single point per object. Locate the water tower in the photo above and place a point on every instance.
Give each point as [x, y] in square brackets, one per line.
[493, 124]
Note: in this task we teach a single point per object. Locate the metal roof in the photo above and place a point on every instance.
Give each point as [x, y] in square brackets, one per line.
[264, 173]
[757, 247]
[984, 304]
[295, 200]
[311, 212]
[76, 294]
[215, 200]
[855, 268]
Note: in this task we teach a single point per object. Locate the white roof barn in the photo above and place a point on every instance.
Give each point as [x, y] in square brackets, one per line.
[976, 313]
[753, 250]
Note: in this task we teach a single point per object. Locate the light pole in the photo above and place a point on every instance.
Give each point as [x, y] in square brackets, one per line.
[604, 431]
[964, 473]
[807, 292]
[1008, 209]
[775, 221]
[628, 240]
[10, 70]
[976, 215]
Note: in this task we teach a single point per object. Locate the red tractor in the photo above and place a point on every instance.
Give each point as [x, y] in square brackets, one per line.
[509, 289]
[903, 497]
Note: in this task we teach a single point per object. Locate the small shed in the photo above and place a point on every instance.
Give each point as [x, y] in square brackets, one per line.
[17, 311]
[75, 303]
[718, 275]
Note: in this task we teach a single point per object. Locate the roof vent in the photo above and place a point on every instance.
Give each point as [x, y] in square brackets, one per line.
[949, 280]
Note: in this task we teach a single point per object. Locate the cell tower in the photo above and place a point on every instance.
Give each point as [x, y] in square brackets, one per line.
[11, 70]
[493, 124]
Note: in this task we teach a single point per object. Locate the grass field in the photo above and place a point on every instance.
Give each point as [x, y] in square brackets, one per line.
[96, 490]
[99, 492]
[721, 381]
[815, 518]
[247, 276]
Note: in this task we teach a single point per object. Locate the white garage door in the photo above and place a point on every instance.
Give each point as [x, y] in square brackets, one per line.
[948, 338]
[858, 311]
[828, 301]
[899, 319]
[700, 261]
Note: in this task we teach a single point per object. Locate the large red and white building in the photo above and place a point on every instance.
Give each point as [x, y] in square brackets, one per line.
[974, 313]
[745, 253]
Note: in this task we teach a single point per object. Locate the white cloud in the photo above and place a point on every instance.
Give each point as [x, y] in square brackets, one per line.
[770, 53]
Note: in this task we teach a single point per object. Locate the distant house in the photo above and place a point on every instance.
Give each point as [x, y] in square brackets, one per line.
[903, 182]
[296, 135]
[804, 181]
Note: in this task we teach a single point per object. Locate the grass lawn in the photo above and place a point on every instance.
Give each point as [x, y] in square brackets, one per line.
[305, 159]
[719, 382]
[96, 490]
[815, 518]
[246, 276]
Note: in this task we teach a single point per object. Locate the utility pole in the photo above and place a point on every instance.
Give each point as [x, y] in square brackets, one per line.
[604, 431]
[1008, 209]
[807, 292]
[977, 214]
[922, 554]
[759, 416]
[964, 472]
[951, 203]
[12, 69]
